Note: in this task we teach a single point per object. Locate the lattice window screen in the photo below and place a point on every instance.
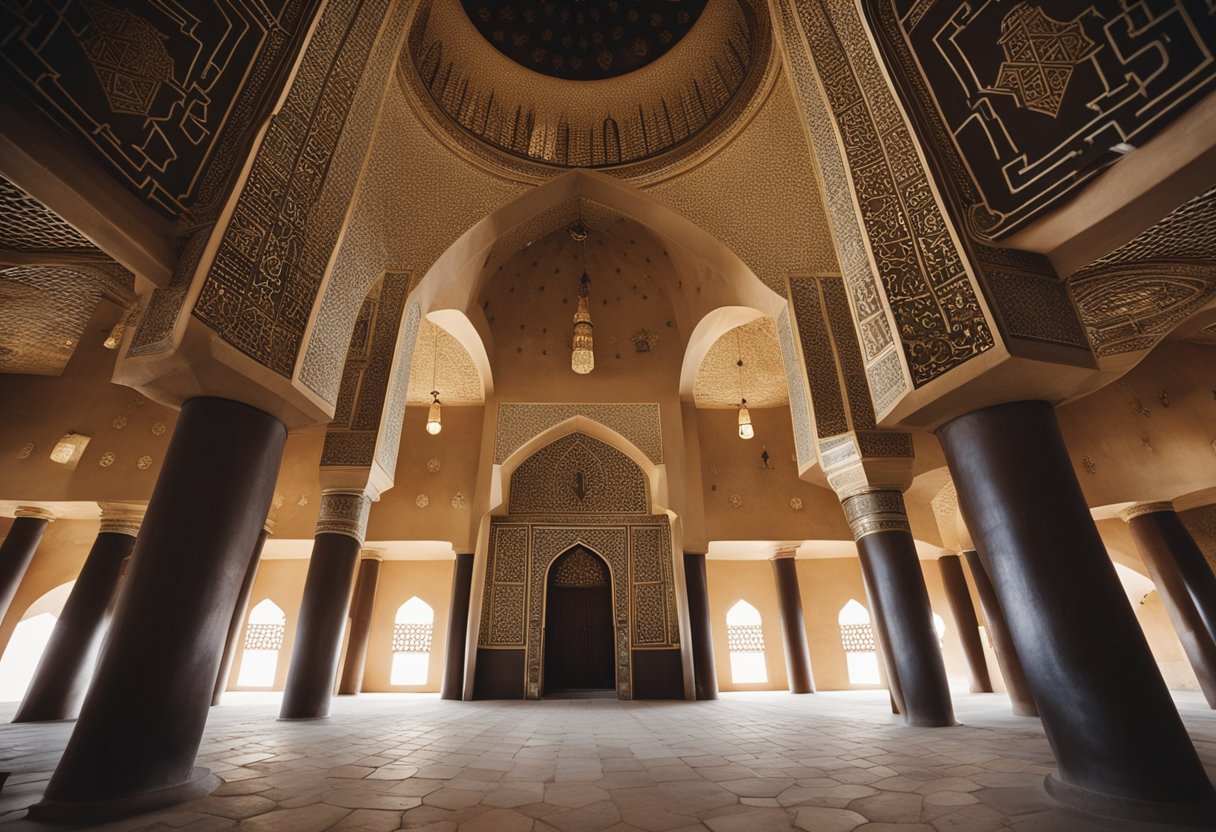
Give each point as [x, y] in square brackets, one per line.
[857, 638]
[264, 636]
[745, 638]
[412, 638]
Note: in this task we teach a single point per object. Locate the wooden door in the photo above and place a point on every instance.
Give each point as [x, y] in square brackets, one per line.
[578, 629]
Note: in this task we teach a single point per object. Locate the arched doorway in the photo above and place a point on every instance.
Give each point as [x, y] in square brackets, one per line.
[579, 641]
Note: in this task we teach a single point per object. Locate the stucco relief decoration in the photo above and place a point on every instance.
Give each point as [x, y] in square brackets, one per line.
[639, 423]
[638, 553]
[505, 93]
[144, 463]
[25, 450]
[581, 569]
[43, 314]
[1033, 121]
[717, 379]
[1135, 295]
[800, 414]
[578, 474]
[439, 355]
[422, 501]
[107, 459]
[28, 225]
[261, 287]
[344, 512]
[876, 511]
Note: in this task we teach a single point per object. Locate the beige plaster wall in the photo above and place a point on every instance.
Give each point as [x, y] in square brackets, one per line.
[732, 466]
[282, 581]
[41, 409]
[431, 581]
[752, 581]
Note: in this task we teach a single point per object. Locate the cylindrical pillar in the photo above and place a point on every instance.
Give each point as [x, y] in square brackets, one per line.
[793, 627]
[1119, 744]
[1185, 582]
[236, 628]
[458, 628]
[66, 666]
[360, 623]
[899, 604]
[704, 673]
[1021, 700]
[965, 622]
[139, 729]
[331, 570]
[18, 550]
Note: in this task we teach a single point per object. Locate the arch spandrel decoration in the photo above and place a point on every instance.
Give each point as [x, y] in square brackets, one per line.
[580, 475]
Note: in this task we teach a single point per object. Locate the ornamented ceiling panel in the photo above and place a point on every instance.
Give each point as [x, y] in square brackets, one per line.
[527, 124]
[164, 94]
[441, 363]
[763, 375]
[43, 315]
[1035, 118]
[586, 41]
[29, 226]
[1134, 296]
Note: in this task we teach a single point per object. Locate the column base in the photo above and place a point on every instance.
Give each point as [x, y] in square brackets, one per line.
[201, 783]
[1126, 808]
[302, 718]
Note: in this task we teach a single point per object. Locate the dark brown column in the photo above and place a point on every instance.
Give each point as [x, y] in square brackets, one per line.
[1185, 582]
[1020, 698]
[793, 627]
[1119, 744]
[458, 628]
[331, 570]
[360, 624]
[139, 729]
[704, 672]
[66, 666]
[18, 550]
[236, 629]
[965, 622]
[899, 605]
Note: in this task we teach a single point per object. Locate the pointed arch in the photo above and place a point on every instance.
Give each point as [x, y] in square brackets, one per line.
[709, 329]
[413, 632]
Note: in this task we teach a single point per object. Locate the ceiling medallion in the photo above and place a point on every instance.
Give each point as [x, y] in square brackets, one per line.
[588, 40]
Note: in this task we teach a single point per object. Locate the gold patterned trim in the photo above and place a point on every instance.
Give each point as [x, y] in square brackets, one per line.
[121, 522]
[1132, 512]
[876, 511]
[344, 512]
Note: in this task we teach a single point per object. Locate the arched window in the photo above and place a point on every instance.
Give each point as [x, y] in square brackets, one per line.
[412, 642]
[263, 640]
[745, 640]
[28, 641]
[857, 636]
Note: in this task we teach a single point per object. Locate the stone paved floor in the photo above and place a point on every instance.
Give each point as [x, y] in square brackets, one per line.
[829, 762]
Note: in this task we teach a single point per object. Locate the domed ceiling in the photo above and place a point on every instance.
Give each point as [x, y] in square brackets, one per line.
[583, 40]
[644, 88]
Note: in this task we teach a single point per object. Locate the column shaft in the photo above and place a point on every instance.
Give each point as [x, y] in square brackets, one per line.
[458, 628]
[793, 627]
[1186, 584]
[360, 626]
[965, 622]
[899, 604]
[314, 658]
[66, 666]
[236, 628]
[1118, 741]
[704, 673]
[1020, 698]
[139, 729]
[16, 553]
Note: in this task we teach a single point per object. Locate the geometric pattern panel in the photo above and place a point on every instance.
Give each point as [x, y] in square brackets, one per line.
[639, 423]
[442, 363]
[720, 382]
[578, 474]
[164, 95]
[1034, 95]
[412, 638]
[28, 225]
[580, 569]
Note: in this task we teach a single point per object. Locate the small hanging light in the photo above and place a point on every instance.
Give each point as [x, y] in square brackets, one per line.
[582, 345]
[746, 431]
[434, 417]
[434, 422]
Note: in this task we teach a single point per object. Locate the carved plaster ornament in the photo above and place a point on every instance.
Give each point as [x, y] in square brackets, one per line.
[422, 501]
[119, 422]
[796, 503]
[26, 450]
[458, 500]
[107, 459]
[144, 463]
